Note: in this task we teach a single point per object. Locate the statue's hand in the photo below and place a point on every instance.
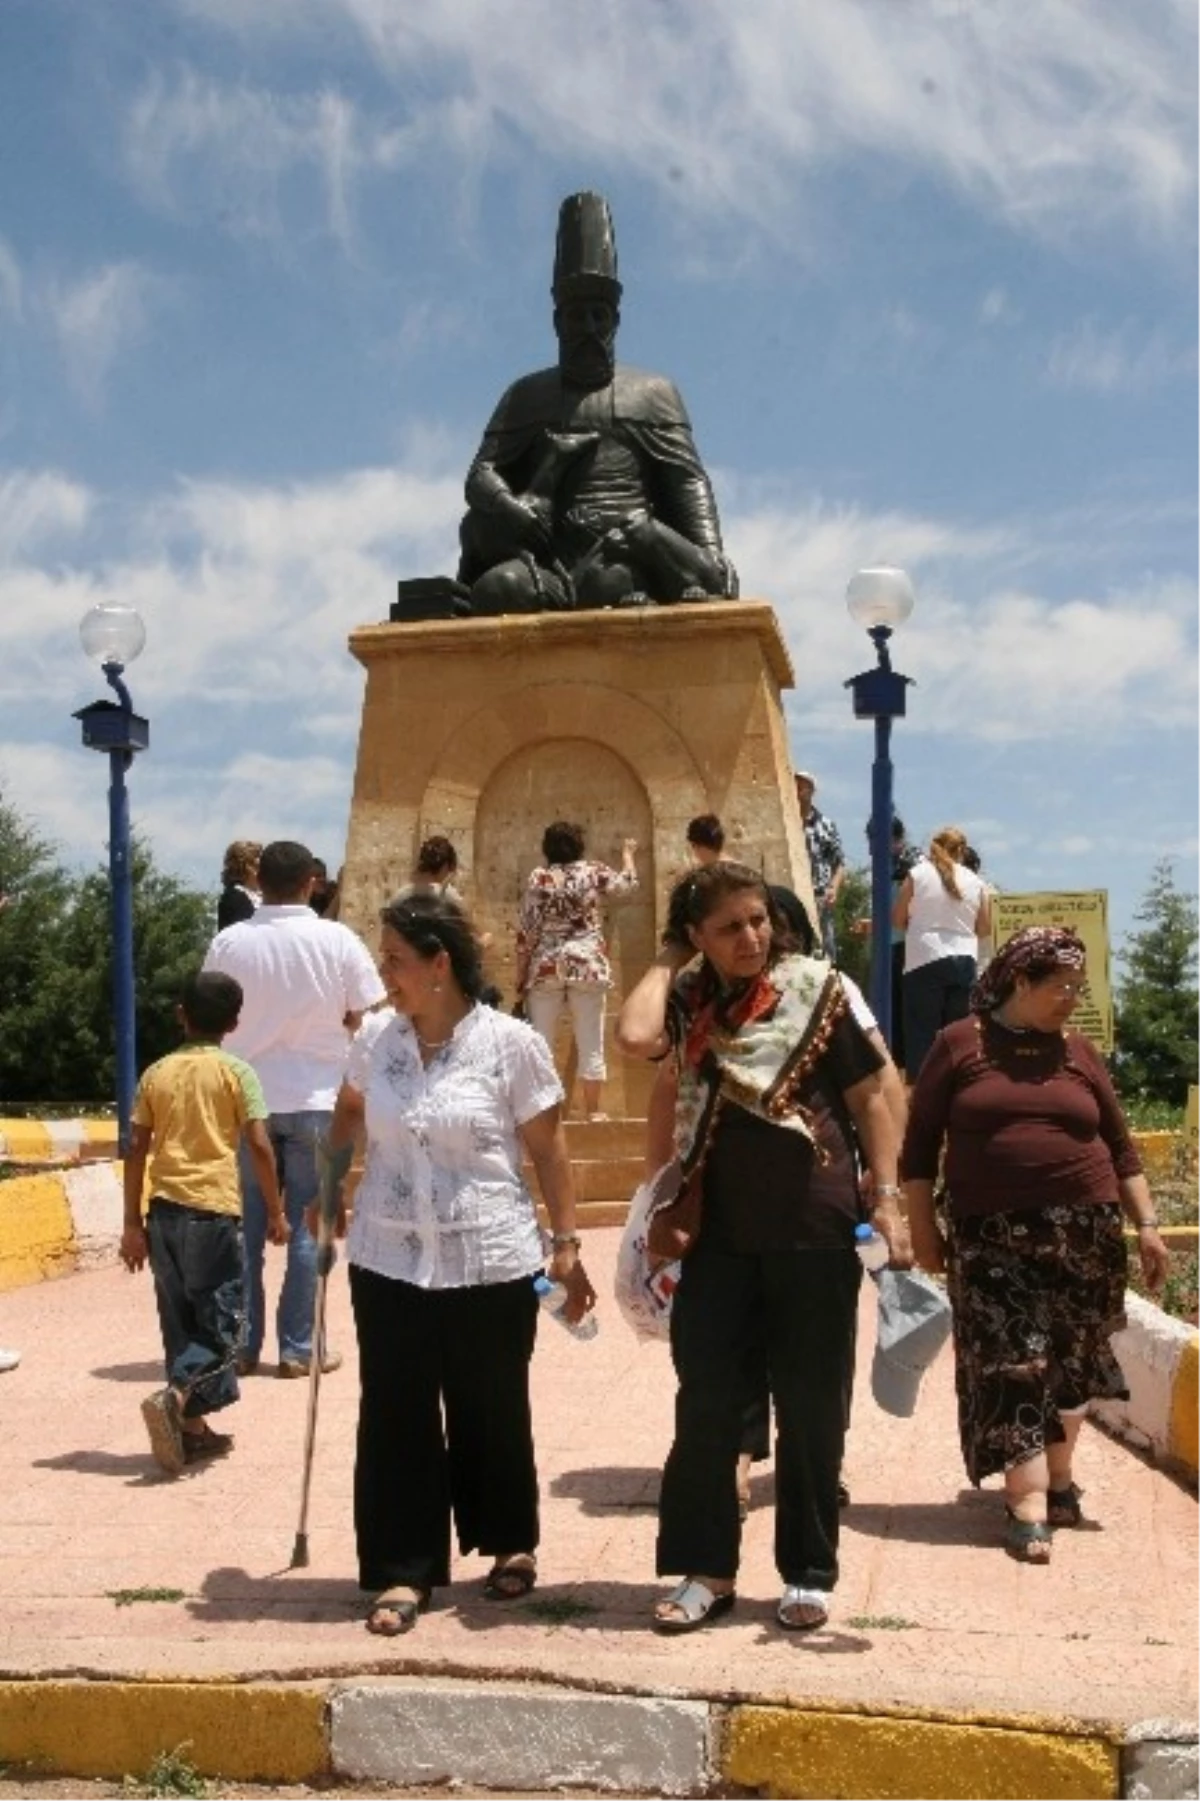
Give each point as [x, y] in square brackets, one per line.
[531, 520]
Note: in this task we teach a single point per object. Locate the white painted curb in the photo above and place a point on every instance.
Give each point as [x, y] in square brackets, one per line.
[1160, 1762]
[1149, 1351]
[521, 1737]
[95, 1197]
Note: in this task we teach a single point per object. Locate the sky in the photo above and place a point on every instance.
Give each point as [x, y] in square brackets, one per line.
[923, 270]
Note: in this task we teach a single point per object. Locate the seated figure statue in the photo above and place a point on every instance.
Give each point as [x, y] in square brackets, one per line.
[587, 490]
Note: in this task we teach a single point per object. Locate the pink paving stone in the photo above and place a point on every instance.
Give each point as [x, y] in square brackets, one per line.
[1106, 1633]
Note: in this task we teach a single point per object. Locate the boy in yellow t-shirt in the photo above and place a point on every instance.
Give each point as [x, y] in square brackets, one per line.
[189, 1114]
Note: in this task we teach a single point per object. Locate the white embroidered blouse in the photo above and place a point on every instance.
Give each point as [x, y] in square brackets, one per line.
[442, 1203]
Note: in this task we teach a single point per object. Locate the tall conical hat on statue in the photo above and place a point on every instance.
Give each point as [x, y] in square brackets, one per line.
[585, 255]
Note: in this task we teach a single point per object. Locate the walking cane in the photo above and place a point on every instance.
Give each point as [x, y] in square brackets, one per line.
[332, 1167]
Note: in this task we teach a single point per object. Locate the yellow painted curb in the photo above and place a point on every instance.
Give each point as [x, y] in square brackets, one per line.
[26, 1139]
[238, 1730]
[37, 1237]
[1159, 1151]
[793, 1756]
[1185, 1407]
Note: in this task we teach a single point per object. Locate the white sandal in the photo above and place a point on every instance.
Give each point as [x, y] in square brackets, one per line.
[815, 1600]
[697, 1604]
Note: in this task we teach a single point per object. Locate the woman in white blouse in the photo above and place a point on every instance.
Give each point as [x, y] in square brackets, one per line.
[442, 1250]
[943, 910]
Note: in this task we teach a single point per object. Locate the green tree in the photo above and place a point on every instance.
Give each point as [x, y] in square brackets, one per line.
[58, 1042]
[1156, 1000]
[37, 899]
[852, 905]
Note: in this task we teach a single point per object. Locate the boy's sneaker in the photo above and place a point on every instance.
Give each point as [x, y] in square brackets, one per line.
[300, 1366]
[202, 1447]
[161, 1414]
[9, 1359]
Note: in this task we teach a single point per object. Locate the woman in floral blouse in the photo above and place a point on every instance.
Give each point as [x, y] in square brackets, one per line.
[561, 954]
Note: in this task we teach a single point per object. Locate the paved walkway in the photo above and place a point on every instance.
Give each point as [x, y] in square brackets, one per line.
[929, 1614]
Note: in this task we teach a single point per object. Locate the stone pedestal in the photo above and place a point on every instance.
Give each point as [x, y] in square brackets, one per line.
[629, 723]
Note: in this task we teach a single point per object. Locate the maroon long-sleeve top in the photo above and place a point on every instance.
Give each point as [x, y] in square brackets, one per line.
[1028, 1119]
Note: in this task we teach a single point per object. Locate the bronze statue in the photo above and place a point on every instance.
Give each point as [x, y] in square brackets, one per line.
[587, 490]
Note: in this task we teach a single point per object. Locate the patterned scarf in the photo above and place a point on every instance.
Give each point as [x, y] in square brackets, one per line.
[754, 1046]
[1035, 946]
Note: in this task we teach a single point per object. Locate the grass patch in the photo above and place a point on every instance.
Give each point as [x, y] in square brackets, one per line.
[1145, 1115]
[171, 1773]
[881, 1622]
[559, 1610]
[1179, 1294]
[1175, 1197]
[126, 1597]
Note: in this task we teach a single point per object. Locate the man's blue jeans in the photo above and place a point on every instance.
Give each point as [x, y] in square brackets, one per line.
[294, 1140]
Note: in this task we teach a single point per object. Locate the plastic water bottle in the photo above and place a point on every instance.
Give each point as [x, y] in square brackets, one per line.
[552, 1298]
[872, 1248]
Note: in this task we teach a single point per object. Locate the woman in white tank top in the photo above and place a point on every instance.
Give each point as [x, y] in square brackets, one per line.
[943, 909]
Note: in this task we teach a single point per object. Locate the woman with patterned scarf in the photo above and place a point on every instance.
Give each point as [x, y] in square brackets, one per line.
[774, 1084]
[1038, 1168]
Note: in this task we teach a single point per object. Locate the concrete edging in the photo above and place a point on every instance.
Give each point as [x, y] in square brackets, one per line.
[535, 1737]
[58, 1222]
[1159, 1356]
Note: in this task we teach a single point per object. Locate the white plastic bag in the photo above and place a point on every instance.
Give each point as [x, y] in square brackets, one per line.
[644, 1292]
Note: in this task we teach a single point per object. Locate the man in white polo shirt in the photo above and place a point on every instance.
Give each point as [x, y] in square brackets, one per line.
[306, 983]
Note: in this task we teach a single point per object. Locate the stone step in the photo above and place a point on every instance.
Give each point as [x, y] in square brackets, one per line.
[588, 1140]
[600, 1178]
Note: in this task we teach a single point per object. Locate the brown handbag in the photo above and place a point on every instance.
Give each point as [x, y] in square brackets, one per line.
[673, 1225]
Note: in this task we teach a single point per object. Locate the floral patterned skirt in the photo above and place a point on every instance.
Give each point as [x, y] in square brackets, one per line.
[1036, 1294]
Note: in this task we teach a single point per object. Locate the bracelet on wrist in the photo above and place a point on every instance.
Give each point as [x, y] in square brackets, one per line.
[888, 1191]
[559, 1241]
[1146, 1225]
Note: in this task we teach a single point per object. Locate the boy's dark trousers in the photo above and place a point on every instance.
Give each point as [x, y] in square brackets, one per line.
[196, 1259]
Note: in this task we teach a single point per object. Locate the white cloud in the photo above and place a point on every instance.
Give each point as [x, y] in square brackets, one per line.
[1007, 663]
[1047, 115]
[230, 151]
[39, 507]
[998, 308]
[246, 592]
[1058, 120]
[10, 282]
[185, 816]
[1120, 360]
[97, 317]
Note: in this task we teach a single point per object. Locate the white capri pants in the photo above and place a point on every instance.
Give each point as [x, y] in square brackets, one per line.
[544, 1003]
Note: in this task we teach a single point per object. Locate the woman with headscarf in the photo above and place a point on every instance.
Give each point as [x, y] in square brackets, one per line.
[943, 909]
[1039, 1167]
[773, 1085]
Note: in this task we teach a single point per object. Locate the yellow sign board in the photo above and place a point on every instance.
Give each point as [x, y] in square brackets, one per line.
[1086, 912]
[1191, 1119]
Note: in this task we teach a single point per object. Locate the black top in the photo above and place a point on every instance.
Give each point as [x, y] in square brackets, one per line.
[765, 1188]
[233, 905]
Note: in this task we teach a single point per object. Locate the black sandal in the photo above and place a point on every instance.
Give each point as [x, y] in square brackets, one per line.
[403, 1603]
[1062, 1506]
[1024, 1539]
[511, 1579]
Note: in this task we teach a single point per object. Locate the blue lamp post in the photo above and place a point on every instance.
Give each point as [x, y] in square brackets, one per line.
[880, 599]
[114, 635]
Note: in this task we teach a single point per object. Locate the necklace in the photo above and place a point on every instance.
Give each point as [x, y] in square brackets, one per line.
[433, 1044]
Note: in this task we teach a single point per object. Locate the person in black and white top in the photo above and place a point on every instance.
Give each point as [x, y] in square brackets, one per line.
[943, 910]
[239, 883]
[443, 1250]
